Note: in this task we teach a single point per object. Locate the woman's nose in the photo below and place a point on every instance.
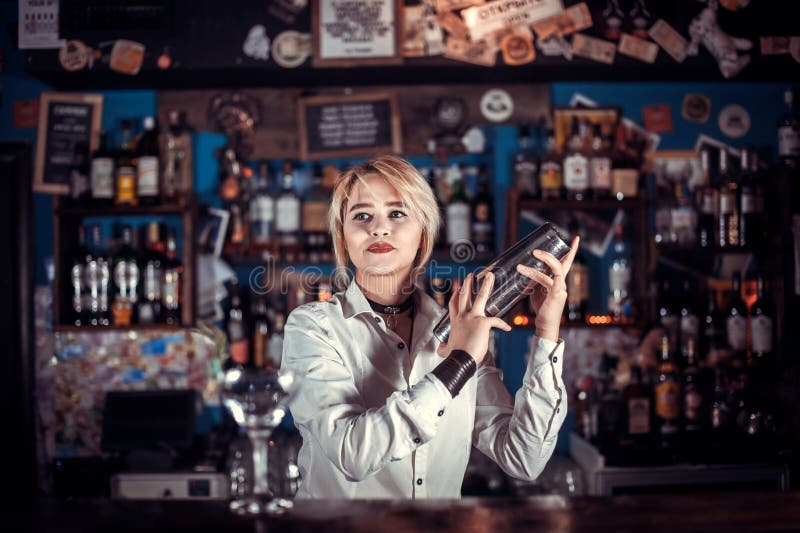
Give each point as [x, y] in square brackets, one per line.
[380, 227]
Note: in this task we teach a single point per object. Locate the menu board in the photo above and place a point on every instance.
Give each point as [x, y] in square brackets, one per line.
[68, 126]
[349, 125]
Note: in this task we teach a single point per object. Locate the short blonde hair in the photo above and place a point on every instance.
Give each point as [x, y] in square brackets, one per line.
[414, 191]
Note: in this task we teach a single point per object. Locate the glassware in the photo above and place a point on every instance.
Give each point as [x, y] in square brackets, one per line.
[258, 399]
[510, 286]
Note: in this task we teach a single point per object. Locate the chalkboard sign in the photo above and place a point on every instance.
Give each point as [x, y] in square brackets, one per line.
[351, 125]
[68, 123]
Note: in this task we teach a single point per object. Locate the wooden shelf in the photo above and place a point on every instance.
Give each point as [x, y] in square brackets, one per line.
[71, 328]
[608, 203]
[110, 211]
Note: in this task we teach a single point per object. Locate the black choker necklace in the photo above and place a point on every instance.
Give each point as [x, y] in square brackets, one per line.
[392, 309]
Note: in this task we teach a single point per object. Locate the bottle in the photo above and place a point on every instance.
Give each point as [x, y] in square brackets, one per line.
[709, 203]
[149, 307]
[315, 214]
[577, 291]
[236, 328]
[97, 277]
[576, 165]
[713, 343]
[751, 223]
[125, 169]
[550, 170]
[236, 232]
[736, 322]
[694, 415]
[261, 357]
[789, 132]
[101, 173]
[667, 316]
[641, 19]
[610, 412]
[637, 409]
[665, 205]
[625, 166]
[667, 394]
[619, 280]
[176, 157]
[526, 165]
[147, 167]
[458, 210]
[483, 215]
[720, 407]
[600, 164]
[78, 281]
[683, 217]
[276, 340]
[689, 322]
[762, 326]
[126, 280]
[262, 213]
[287, 216]
[231, 171]
[79, 189]
[510, 286]
[728, 221]
[172, 286]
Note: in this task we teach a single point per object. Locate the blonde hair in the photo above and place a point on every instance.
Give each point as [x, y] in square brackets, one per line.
[414, 191]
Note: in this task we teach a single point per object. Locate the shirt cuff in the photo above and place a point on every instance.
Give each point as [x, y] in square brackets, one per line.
[545, 353]
[428, 399]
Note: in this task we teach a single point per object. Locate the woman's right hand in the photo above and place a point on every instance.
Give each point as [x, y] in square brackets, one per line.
[469, 325]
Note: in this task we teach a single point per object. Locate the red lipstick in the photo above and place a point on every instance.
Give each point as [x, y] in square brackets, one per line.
[380, 248]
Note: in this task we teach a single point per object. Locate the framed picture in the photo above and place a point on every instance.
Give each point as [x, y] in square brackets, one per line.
[673, 166]
[357, 32]
[632, 129]
[565, 119]
[212, 231]
[69, 125]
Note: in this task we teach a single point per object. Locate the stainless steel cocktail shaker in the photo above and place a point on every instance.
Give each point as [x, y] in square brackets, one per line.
[509, 285]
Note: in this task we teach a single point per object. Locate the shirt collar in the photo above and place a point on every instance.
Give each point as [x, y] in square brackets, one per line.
[354, 303]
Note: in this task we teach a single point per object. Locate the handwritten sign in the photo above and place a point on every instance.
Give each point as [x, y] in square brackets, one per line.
[352, 125]
[68, 124]
[493, 16]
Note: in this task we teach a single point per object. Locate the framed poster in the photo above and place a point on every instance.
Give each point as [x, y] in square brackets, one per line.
[362, 124]
[672, 166]
[69, 124]
[565, 118]
[357, 32]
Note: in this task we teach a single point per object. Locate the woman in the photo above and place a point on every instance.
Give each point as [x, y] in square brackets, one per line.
[386, 410]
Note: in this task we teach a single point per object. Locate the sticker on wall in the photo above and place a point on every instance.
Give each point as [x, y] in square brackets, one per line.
[657, 118]
[518, 49]
[774, 46]
[256, 45]
[640, 49]
[725, 48]
[26, 113]
[126, 57]
[734, 5]
[74, 55]
[555, 46]
[291, 48]
[164, 60]
[734, 121]
[287, 10]
[496, 105]
[696, 107]
[474, 140]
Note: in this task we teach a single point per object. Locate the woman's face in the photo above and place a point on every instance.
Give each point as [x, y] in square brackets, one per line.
[381, 235]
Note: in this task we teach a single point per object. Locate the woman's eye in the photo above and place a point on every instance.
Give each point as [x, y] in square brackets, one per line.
[397, 214]
[361, 216]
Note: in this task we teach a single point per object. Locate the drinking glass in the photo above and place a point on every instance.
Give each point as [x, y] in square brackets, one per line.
[258, 399]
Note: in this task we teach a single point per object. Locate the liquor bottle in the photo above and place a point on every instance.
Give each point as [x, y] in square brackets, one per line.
[577, 291]
[736, 322]
[148, 310]
[126, 280]
[709, 203]
[713, 343]
[526, 165]
[287, 216]
[669, 319]
[97, 273]
[720, 406]
[751, 222]
[619, 279]
[483, 215]
[789, 132]
[637, 409]
[315, 214]
[262, 213]
[641, 19]
[101, 173]
[78, 280]
[551, 178]
[147, 164]
[458, 211]
[689, 322]
[600, 164]
[625, 166]
[172, 286]
[276, 340]
[667, 393]
[236, 327]
[665, 205]
[762, 327]
[728, 221]
[694, 415]
[683, 217]
[612, 17]
[230, 175]
[261, 357]
[610, 412]
[79, 188]
[176, 157]
[576, 165]
[125, 169]
[236, 235]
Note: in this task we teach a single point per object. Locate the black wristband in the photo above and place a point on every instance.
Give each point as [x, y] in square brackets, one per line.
[455, 371]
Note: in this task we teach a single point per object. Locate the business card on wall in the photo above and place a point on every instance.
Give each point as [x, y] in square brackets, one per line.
[573, 19]
[670, 40]
[593, 48]
[478, 53]
[638, 48]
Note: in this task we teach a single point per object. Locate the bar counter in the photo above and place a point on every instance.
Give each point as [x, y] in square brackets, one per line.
[739, 511]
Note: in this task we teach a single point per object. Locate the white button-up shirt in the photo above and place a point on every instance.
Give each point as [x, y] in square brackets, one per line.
[376, 423]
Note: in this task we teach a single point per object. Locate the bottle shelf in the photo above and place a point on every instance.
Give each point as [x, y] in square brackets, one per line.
[71, 328]
[123, 210]
[606, 203]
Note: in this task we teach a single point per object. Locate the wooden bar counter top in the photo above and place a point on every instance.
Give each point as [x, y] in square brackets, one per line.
[733, 511]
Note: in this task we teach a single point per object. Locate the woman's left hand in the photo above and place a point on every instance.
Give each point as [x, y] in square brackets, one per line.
[549, 294]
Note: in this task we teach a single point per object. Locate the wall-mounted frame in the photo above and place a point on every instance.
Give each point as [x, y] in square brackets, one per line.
[363, 124]
[373, 37]
[673, 166]
[69, 124]
[563, 118]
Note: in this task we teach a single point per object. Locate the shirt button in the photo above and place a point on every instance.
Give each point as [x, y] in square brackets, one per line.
[401, 345]
[440, 413]
[417, 440]
[419, 481]
[558, 409]
[377, 319]
[555, 359]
